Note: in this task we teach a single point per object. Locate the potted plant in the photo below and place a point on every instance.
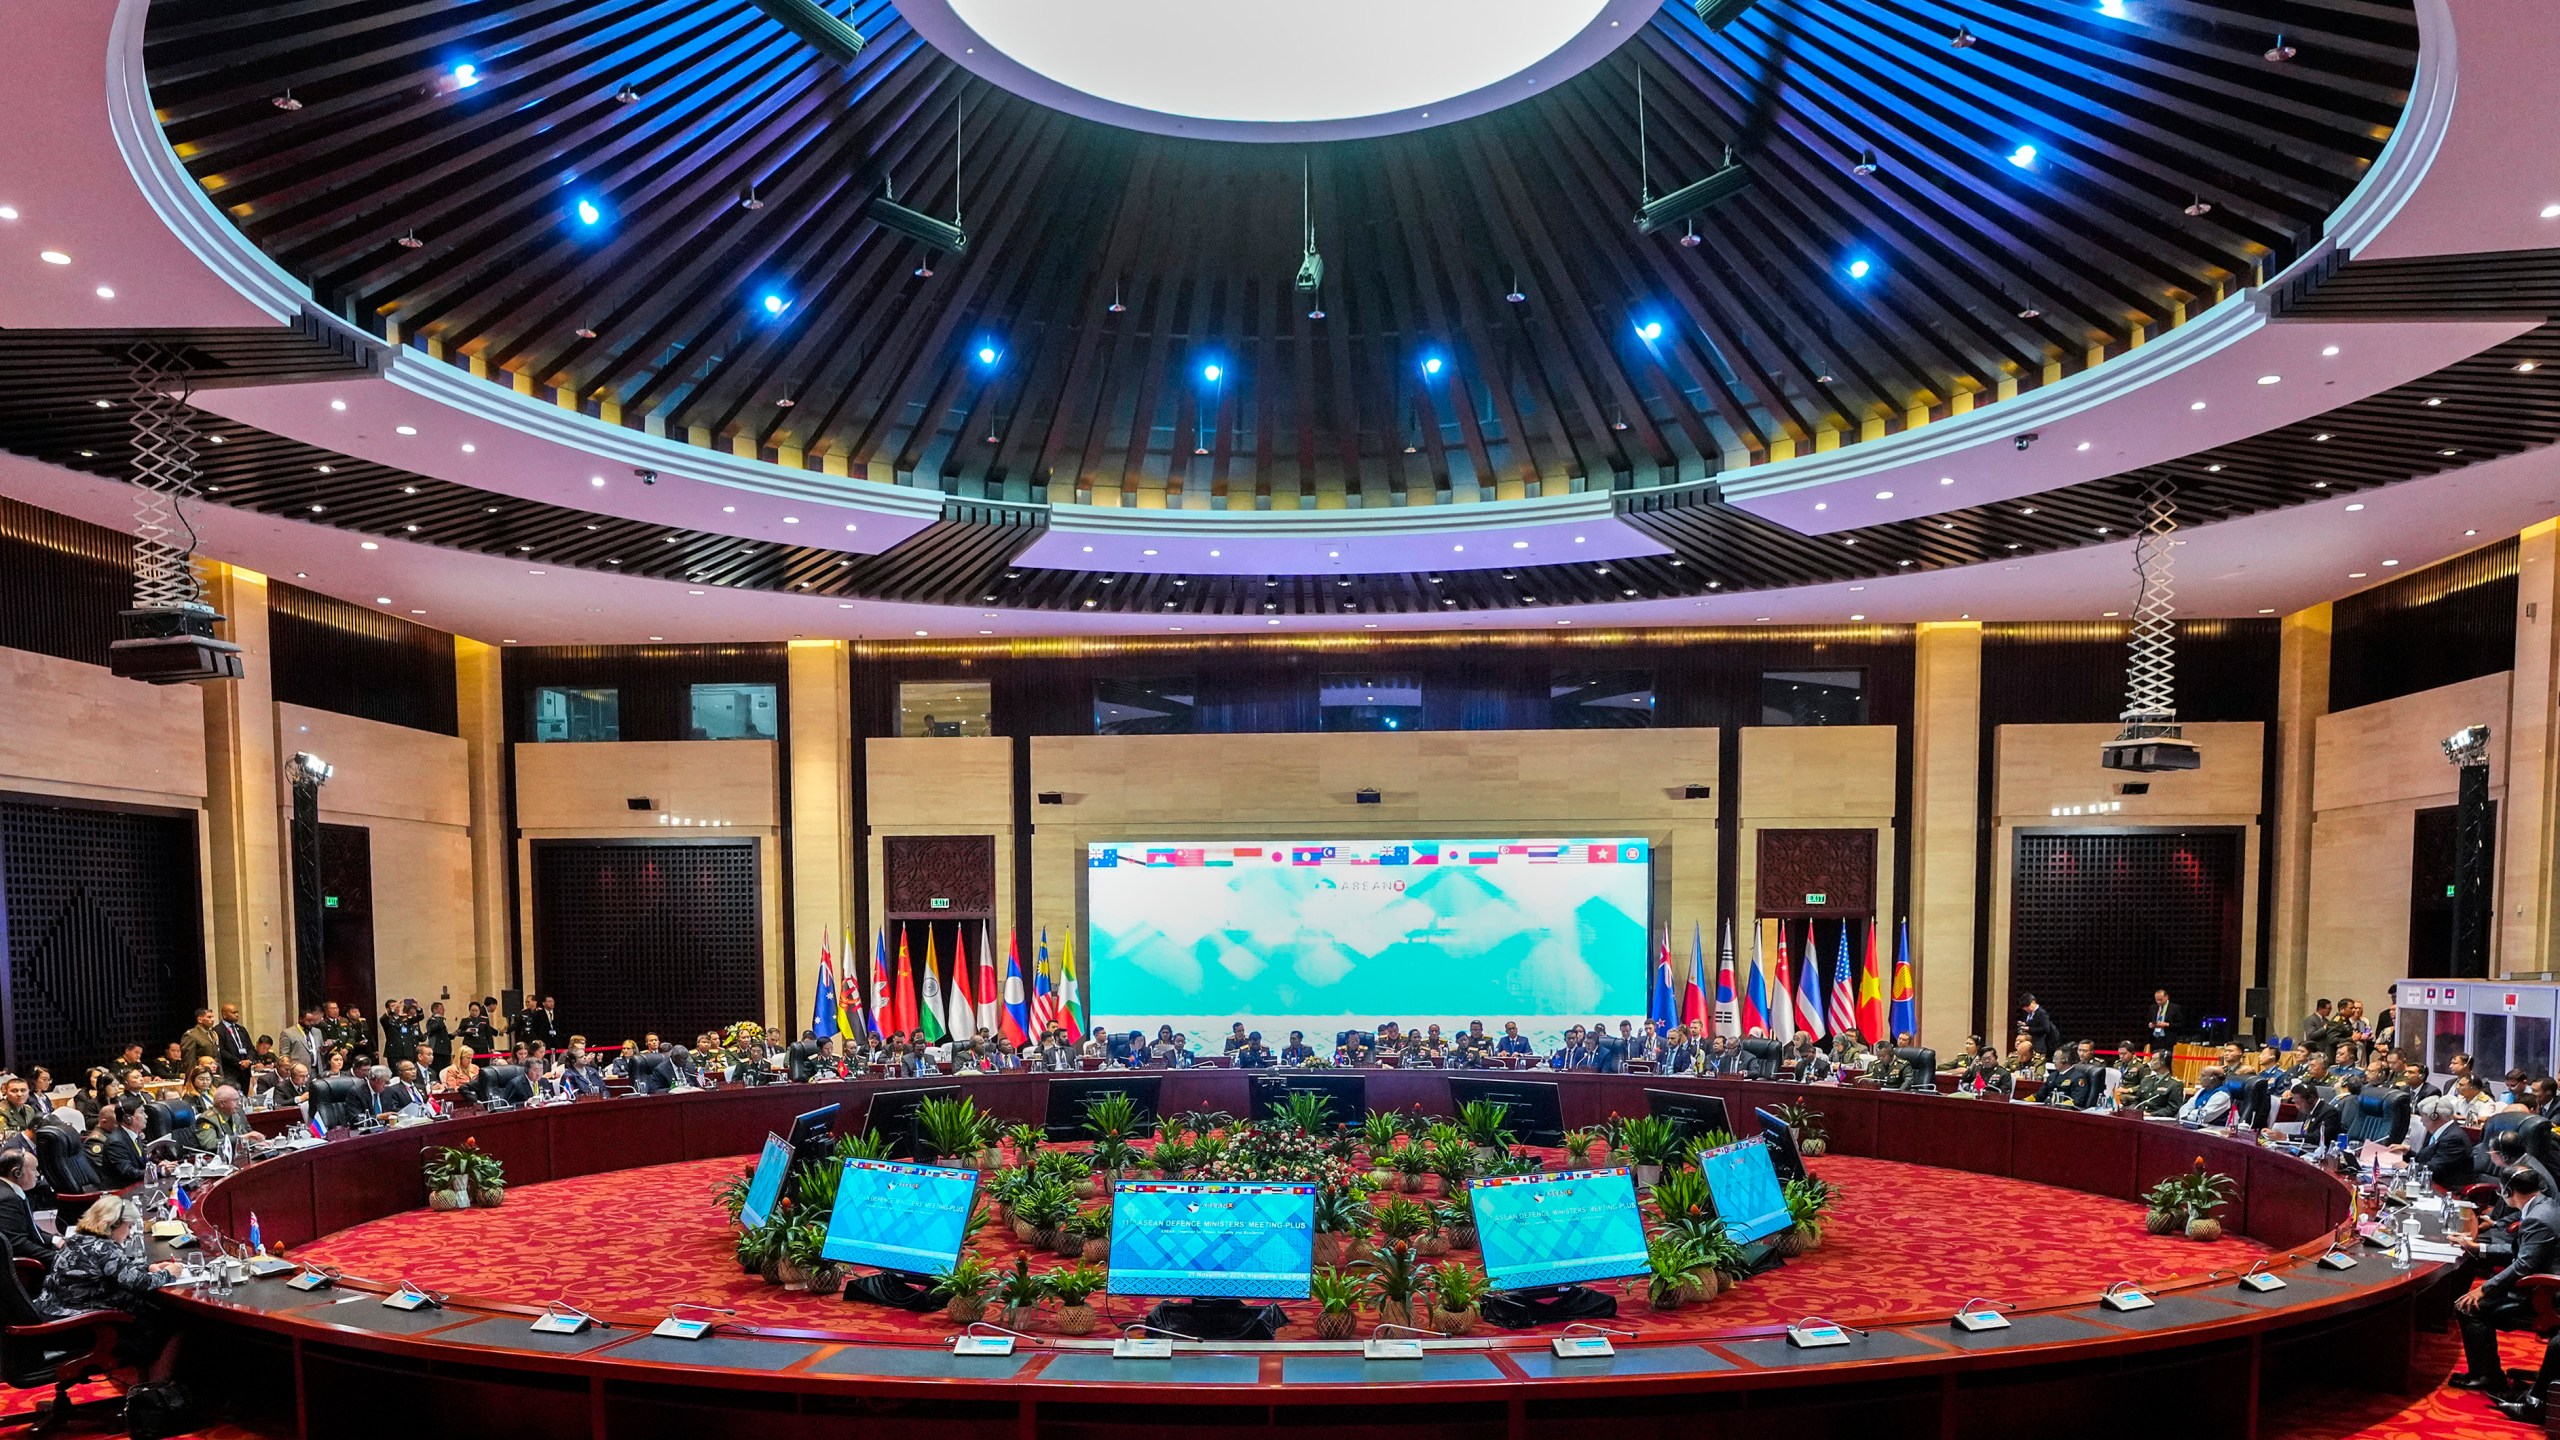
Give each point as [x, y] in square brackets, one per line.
[1649, 1142]
[1070, 1239]
[964, 1289]
[1482, 1120]
[1039, 1211]
[1002, 1189]
[1457, 1164]
[1025, 1141]
[1395, 1277]
[2206, 1192]
[1807, 1199]
[1338, 1214]
[1308, 1112]
[1337, 1295]
[1710, 1140]
[951, 1129]
[1812, 1140]
[1095, 1227]
[1173, 1155]
[1378, 1136]
[1071, 1286]
[1401, 1222]
[990, 1141]
[865, 1146]
[1682, 1195]
[1412, 1162]
[1577, 1147]
[804, 1254]
[2165, 1206]
[815, 1188]
[1671, 1263]
[1019, 1293]
[759, 1248]
[487, 1174]
[1455, 1289]
[1456, 1217]
[448, 1178]
[1722, 1263]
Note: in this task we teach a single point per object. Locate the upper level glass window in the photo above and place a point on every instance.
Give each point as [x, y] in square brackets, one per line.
[561, 712]
[1145, 707]
[1600, 699]
[734, 712]
[1813, 697]
[1370, 702]
[942, 709]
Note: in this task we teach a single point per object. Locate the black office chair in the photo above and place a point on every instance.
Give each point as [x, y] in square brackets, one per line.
[2257, 1103]
[1761, 1057]
[39, 1351]
[338, 1101]
[504, 1085]
[1920, 1068]
[2378, 1115]
[166, 1117]
[653, 1073]
[71, 1200]
[800, 1058]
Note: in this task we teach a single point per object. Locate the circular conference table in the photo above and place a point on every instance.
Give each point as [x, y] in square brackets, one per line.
[2208, 1348]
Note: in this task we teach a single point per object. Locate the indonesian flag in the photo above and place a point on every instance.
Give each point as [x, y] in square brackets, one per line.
[1782, 993]
[1693, 997]
[1728, 1016]
[1016, 1013]
[1809, 1016]
[962, 1015]
[1044, 1004]
[990, 1008]
[1755, 986]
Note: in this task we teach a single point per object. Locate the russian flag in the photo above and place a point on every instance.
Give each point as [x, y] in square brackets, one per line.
[318, 1130]
[1693, 1000]
[1755, 991]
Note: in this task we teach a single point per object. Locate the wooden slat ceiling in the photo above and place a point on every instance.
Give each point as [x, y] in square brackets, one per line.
[1765, 338]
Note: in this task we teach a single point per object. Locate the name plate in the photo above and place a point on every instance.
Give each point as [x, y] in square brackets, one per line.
[562, 1324]
[309, 1280]
[675, 1329]
[1976, 1321]
[1583, 1347]
[1376, 1349]
[1141, 1347]
[2337, 1260]
[1003, 1345]
[2126, 1300]
[406, 1299]
[1818, 1336]
[2262, 1281]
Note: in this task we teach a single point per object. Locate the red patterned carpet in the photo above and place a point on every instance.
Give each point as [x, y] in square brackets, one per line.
[1903, 1240]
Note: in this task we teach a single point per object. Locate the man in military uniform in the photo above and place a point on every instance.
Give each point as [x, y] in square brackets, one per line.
[17, 1111]
[225, 1122]
[199, 1044]
[2157, 1093]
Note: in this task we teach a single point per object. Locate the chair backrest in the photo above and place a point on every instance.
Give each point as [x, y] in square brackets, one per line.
[338, 1100]
[504, 1084]
[163, 1116]
[52, 1148]
[2369, 1118]
[652, 1073]
[1920, 1067]
[2257, 1103]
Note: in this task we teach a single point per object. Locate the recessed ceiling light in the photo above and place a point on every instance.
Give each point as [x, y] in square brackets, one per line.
[2322, 436]
[2526, 367]
[1213, 554]
[2026, 509]
[2355, 507]
[2197, 405]
[2107, 614]
[2270, 379]
[1577, 539]
[1884, 494]
[1857, 617]
[8, 212]
[2355, 574]
[1146, 552]
[693, 592]
[1854, 589]
[2387, 564]
[1946, 479]
[1821, 504]
[2213, 469]
[470, 449]
[2551, 212]
[2470, 532]
[2329, 350]
[1519, 544]
[106, 292]
[2434, 400]
[53, 257]
[2448, 452]
[2266, 609]
[2083, 445]
[841, 605]
[790, 519]
[417, 612]
[381, 599]
[506, 642]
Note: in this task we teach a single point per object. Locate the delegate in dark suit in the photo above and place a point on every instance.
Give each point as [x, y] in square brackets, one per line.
[2496, 1306]
[2444, 1154]
[17, 1218]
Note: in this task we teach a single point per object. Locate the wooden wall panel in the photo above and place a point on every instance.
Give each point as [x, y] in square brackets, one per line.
[73, 729]
[331, 654]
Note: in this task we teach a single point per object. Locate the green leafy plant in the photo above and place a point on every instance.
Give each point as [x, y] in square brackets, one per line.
[1207, 1150]
[1455, 1164]
[1412, 1160]
[964, 1287]
[1670, 1263]
[1456, 1216]
[1710, 1140]
[1064, 1166]
[1203, 1122]
[1339, 1211]
[1335, 1290]
[1111, 1117]
[1457, 1287]
[1112, 1154]
[1395, 1277]
[1482, 1120]
[1682, 1195]
[1005, 1187]
[1043, 1207]
[1072, 1285]
[866, 1146]
[1378, 1130]
[804, 1245]
[1440, 1134]
[1093, 1223]
[1812, 1138]
[1713, 1243]
[1174, 1155]
[1578, 1145]
[730, 1195]
[1648, 1139]
[1402, 1221]
[1025, 1140]
[950, 1128]
[2204, 1191]
[1020, 1292]
[1306, 1111]
[759, 1246]
[1807, 1201]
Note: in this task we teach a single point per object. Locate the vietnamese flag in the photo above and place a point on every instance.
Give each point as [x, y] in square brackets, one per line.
[1871, 995]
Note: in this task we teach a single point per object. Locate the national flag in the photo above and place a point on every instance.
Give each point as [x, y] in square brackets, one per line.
[1662, 1010]
[1755, 987]
[1871, 995]
[1782, 992]
[990, 1004]
[257, 1241]
[848, 993]
[902, 993]
[877, 1014]
[823, 1019]
[1070, 990]
[1044, 1002]
[1906, 1006]
[1728, 1014]
[1842, 1015]
[179, 1201]
[1693, 998]
[1016, 1016]
[318, 1130]
[1809, 991]
[931, 1017]
[961, 1017]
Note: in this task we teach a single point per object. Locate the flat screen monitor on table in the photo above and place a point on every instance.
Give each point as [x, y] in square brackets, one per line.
[1691, 1116]
[772, 1168]
[1348, 1095]
[1743, 1185]
[912, 1219]
[892, 1115]
[1240, 1241]
[1539, 1231]
[1533, 1109]
[1069, 1095]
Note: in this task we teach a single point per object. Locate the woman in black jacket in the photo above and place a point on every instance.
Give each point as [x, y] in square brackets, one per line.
[94, 1270]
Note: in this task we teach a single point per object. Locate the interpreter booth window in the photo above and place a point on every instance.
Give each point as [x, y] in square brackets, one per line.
[563, 713]
[2447, 1036]
[734, 712]
[1813, 697]
[942, 709]
[1370, 702]
[1146, 707]
[1600, 699]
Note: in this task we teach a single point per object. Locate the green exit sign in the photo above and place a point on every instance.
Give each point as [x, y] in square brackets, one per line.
[1817, 898]
[2448, 892]
[940, 902]
[331, 901]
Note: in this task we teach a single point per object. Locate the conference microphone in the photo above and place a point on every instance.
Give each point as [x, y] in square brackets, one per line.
[1980, 1314]
[411, 1296]
[1378, 1348]
[1815, 1333]
[676, 1327]
[1133, 1346]
[562, 1318]
[1591, 1344]
[985, 1338]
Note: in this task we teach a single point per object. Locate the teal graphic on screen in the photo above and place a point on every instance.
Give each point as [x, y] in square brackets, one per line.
[1743, 1183]
[1324, 936]
[1242, 1241]
[1558, 1229]
[911, 1218]
[771, 1168]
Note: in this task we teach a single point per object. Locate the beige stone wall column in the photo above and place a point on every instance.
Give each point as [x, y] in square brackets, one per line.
[480, 705]
[2302, 697]
[250, 925]
[1946, 794]
[2528, 902]
[822, 855]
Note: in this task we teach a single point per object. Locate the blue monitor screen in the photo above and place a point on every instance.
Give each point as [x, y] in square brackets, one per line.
[772, 1167]
[1558, 1229]
[910, 1218]
[1240, 1241]
[1744, 1185]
